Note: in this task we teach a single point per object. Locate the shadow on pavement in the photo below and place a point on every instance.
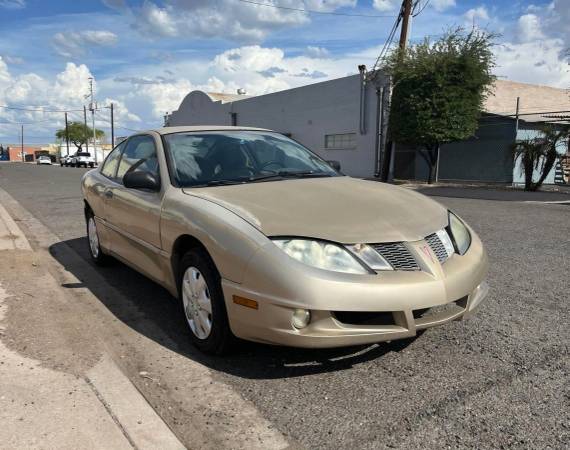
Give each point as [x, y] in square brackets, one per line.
[150, 310]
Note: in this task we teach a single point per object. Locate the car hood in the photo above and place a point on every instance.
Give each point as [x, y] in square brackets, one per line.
[339, 209]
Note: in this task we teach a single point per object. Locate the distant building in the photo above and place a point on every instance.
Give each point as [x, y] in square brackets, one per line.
[344, 120]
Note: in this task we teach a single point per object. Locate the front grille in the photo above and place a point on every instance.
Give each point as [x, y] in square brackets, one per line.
[397, 255]
[436, 245]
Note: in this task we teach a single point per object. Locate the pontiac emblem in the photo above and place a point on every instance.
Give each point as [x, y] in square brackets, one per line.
[427, 251]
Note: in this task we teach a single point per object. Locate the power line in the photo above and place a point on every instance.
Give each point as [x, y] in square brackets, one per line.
[104, 119]
[387, 43]
[39, 110]
[26, 123]
[312, 11]
[414, 14]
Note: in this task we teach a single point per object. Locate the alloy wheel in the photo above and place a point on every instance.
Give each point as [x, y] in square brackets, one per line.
[93, 238]
[197, 302]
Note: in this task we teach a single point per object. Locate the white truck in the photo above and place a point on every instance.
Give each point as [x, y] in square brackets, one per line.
[82, 159]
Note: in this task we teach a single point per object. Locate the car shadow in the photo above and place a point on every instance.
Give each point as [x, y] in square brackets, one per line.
[151, 311]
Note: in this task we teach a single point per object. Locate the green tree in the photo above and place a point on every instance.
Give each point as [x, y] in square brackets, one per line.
[439, 90]
[79, 133]
[538, 154]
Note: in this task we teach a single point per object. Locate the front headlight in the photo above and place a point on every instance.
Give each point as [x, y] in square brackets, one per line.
[324, 255]
[459, 233]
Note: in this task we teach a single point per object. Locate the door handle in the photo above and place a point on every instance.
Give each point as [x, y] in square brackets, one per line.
[109, 193]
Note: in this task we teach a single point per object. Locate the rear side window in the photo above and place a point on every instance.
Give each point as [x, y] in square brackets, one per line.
[110, 165]
[139, 154]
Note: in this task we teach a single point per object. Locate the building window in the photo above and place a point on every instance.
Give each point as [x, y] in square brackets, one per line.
[338, 141]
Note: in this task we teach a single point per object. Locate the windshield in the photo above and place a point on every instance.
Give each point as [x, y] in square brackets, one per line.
[226, 157]
[83, 154]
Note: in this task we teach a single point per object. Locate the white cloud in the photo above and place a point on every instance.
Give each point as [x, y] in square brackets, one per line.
[386, 5]
[12, 4]
[536, 62]
[229, 19]
[529, 28]
[328, 5]
[120, 111]
[156, 20]
[72, 44]
[254, 58]
[442, 5]
[475, 14]
[558, 18]
[65, 91]
[12, 59]
[316, 52]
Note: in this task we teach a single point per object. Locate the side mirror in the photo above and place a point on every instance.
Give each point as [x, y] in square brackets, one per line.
[335, 165]
[141, 180]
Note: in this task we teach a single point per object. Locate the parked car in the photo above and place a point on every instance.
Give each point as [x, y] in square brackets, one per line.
[65, 161]
[43, 159]
[262, 239]
[82, 159]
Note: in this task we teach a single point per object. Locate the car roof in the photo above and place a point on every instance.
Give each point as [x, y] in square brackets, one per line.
[169, 130]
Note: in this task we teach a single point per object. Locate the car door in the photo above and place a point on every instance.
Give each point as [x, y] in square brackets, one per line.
[133, 215]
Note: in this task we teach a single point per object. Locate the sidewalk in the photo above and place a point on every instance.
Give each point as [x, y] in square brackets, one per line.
[61, 404]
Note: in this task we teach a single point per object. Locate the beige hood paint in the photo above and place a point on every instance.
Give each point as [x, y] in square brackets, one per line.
[339, 209]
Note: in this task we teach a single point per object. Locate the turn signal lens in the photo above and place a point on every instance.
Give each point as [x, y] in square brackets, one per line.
[301, 318]
[248, 303]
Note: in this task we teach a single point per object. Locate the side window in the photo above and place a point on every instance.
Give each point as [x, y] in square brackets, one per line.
[111, 163]
[139, 154]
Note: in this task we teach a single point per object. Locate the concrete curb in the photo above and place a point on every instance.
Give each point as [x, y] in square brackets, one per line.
[112, 393]
[221, 417]
[11, 237]
[140, 424]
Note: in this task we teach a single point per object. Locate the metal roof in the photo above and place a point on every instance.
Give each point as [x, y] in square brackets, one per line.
[536, 102]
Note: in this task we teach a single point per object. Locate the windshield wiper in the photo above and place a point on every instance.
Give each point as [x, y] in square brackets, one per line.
[219, 183]
[290, 174]
[283, 174]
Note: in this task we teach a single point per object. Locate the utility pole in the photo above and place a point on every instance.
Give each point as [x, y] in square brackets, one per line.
[22, 135]
[92, 108]
[66, 134]
[388, 160]
[85, 123]
[112, 127]
[517, 114]
[407, 6]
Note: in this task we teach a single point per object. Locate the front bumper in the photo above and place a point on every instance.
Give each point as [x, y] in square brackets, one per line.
[351, 309]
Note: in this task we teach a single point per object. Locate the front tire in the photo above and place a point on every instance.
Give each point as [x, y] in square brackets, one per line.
[203, 305]
[95, 250]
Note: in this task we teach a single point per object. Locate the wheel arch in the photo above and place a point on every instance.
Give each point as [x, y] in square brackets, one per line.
[182, 245]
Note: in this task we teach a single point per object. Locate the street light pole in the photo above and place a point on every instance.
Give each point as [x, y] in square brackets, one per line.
[85, 123]
[22, 135]
[66, 134]
[92, 107]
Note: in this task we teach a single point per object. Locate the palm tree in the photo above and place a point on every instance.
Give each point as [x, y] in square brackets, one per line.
[539, 154]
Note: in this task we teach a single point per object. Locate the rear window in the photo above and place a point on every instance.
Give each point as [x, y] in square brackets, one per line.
[83, 154]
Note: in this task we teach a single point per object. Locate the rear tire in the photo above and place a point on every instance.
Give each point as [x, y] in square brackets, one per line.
[95, 250]
[203, 305]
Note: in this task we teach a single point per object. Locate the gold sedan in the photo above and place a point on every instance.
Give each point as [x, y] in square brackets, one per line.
[263, 240]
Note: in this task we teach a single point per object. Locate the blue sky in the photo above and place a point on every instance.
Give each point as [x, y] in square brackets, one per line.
[146, 55]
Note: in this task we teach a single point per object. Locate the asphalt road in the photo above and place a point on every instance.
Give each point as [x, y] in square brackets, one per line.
[498, 380]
